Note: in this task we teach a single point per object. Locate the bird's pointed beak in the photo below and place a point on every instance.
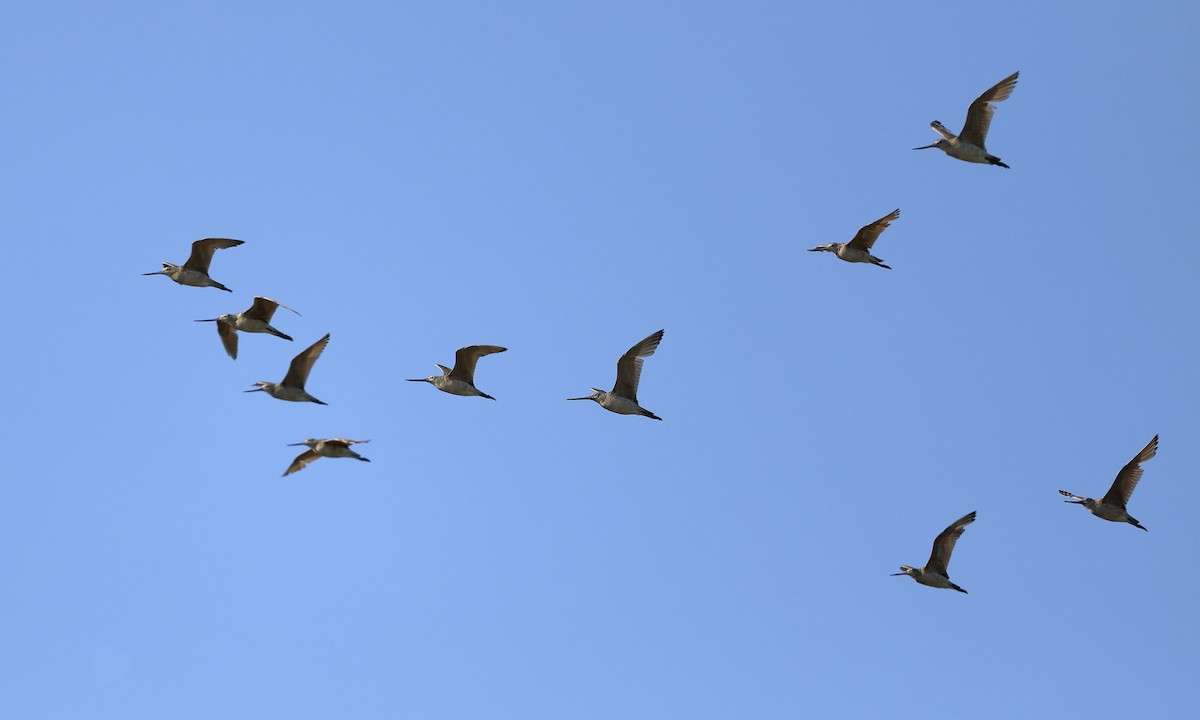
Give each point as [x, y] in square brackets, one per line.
[1074, 502]
[208, 320]
[895, 574]
[418, 379]
[818, 249]
[291, 444]
[926, 147]
[582, 398]
[156, 272]
[257, 389]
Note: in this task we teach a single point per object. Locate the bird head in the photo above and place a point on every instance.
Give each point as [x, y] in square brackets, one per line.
[262, 386]
[819, 248]
[226, 319]
[309, 442]
[904, 570]
[596, 395]
[166, 268]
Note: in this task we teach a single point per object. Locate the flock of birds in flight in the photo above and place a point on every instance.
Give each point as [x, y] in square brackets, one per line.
[622, 399]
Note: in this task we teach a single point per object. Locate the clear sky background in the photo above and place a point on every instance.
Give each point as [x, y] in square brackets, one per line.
[563, 179]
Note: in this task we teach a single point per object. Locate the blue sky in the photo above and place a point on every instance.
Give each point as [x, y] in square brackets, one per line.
[563, 179]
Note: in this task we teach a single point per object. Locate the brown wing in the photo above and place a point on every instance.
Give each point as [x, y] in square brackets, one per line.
[629, 366]
[979, 115]
[345, 442]
[465, 359]
[943, 545]
[264, 309]
[228, 338]
[202, 252]
[301, 460]
[1128, 478]
[301, 364]
[868, 234]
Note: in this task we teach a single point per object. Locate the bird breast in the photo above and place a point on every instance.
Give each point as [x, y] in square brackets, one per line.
[965, 151]
[454, 386]
[621, 405]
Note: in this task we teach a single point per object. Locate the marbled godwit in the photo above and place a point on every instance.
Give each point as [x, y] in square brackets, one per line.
[969, 144]
[859, 249]
[291, 388]
[257, 319]
[934, 573]
[194, 272]
[331, 448]
[461, 379]
[1111, 507]
[623, 397]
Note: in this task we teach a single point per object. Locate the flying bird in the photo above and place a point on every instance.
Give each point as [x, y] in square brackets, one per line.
[1111, 507]
[194, 272]
[969, 144]
[461, 379]
[256, 319]
[859, 249]
[623, 397]
[934, 573]
[331, 448]
[291, 388]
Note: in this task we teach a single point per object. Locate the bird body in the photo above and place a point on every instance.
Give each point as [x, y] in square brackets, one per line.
[969, 145]
[194, 272]
[935, 574]
[622, 399]
[618, 404]
[330, 448]
[858, 250]
[460, 380]
[291, 388]
[256, 319]
[1111, 507]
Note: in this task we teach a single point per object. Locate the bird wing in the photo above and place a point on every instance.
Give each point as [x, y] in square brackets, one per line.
[202, 252]
[301, 364]
[868, 234]
[1128, 478]
[943, 545]
[346, 442]
[301, 460]
[228, 338]
[979, 115]
[629, 366]
[264, 309]
[940, 129]
[465, 359]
